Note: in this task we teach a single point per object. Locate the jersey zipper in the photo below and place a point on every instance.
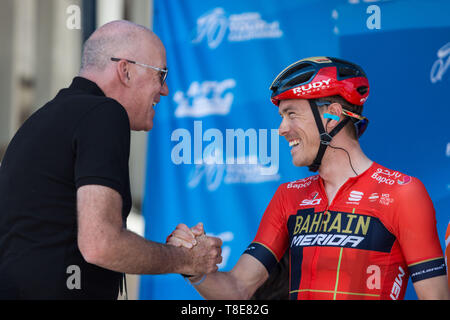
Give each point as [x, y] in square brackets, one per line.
[318, 248]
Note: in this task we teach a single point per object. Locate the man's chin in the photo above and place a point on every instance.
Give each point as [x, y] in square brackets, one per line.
[299, 162]
[145, 128]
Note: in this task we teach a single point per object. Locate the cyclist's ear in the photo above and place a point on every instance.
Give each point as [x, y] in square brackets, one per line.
[333, 114]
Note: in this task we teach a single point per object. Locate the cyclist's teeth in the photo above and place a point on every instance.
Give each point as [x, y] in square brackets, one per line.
[294, 142]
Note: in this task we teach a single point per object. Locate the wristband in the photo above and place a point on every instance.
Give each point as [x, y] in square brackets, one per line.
[199, 281]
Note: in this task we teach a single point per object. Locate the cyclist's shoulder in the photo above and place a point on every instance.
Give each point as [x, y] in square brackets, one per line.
[393, 180]
[301, 185]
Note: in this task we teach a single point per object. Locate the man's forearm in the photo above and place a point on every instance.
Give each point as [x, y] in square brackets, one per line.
[220, 286]
[103, 240]
[432, 289]
[127, 252]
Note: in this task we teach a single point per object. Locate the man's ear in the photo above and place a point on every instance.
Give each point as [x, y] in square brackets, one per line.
[123, 72]
[333, 115]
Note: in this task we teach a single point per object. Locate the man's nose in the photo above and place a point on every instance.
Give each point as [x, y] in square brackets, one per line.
[283, 129]
[164, 89]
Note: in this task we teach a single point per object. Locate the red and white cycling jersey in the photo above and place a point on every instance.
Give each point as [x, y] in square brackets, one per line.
[379, 229]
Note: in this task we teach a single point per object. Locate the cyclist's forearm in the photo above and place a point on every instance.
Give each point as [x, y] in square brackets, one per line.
[220, 286]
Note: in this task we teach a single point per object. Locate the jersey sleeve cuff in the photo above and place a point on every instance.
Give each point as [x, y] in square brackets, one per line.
[263, 254]
[427, 269]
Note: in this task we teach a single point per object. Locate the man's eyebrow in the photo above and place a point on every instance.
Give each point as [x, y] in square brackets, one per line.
[286, 109]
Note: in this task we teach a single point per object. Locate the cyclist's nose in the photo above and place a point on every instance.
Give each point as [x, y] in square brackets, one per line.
[283, 129]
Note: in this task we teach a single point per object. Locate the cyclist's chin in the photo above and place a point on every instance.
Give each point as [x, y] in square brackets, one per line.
[300, 161]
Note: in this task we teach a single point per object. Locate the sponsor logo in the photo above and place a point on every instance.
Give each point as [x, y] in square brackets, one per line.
[341, 229]
[404, 180]
[355, 197]
[331, 222]
[374, 197]
[386, 199]
[441, 65]
[385, 176]
[312, 201]
[205, 98]
[433, 268]
[397, 286]
[323, 239]
[311, 87]
[303, 183]
[214, 25]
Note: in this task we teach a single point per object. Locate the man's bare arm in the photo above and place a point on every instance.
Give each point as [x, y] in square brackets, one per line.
[239, 284]
[103, 240]
[435, 288]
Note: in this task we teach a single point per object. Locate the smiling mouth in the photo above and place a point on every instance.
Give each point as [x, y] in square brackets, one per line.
[293, 143]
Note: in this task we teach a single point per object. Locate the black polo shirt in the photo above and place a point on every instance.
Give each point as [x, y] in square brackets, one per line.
[79, 138]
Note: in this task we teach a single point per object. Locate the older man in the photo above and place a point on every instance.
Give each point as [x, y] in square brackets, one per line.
[64, 180]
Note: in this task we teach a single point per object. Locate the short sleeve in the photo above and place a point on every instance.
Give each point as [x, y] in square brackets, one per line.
[417, 232]
[271, 240]
[101, 146]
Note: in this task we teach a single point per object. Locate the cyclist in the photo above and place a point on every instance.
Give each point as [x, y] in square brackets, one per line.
[356, 230]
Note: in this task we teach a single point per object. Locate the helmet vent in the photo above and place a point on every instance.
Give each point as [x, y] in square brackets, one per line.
[345, 72]
[362, 90]
[300, 79]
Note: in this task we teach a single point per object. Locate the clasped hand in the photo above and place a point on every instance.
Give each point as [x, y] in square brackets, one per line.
[206, 252]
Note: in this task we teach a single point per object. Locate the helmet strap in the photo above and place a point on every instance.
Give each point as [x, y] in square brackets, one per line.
[325, 137]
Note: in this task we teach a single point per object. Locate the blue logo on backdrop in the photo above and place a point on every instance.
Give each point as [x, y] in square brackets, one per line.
[216, 26]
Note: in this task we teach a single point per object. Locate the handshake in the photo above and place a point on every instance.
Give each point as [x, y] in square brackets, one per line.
[205, 252]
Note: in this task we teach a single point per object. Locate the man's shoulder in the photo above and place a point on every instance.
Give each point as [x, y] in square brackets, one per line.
[306, 184]
[83, 102]
[396, 182]
[106, 107]
[385, 176]
[93, 111]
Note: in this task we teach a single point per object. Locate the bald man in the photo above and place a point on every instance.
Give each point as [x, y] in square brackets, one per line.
[64, 180]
